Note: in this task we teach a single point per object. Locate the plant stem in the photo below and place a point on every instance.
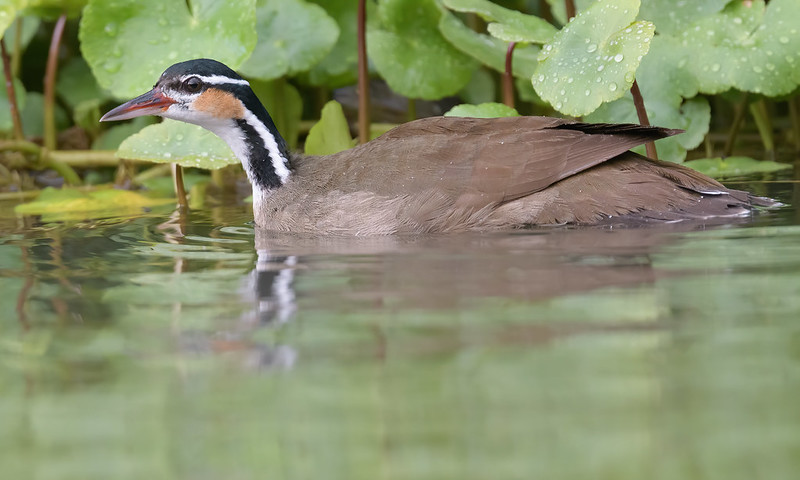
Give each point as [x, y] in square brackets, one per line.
[363, 75]
[738, 117]
[759, 111]
[641, 112]
[50, 84]
[569, 5]
[12, 97]
[16, 52]
[180, 190]
[508, 76]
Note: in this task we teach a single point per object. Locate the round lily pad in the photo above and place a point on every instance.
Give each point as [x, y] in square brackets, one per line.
[293, 35]
[128, 44]
[735, 166]
[177, 142]
[671, 16]
[594, 58]
[412, 55]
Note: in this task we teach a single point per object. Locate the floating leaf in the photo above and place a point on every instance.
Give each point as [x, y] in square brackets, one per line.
[177, 142]
[488, 50]
[6, 123]
[293, 35]
[594, 58]
[735, 166]
[507, 25]
[331, 134]
[128, 44]
[484, 110]
[340, 66]
[65, 203]
[410, 53]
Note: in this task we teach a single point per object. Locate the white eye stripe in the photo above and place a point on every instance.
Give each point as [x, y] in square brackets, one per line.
[217, 79]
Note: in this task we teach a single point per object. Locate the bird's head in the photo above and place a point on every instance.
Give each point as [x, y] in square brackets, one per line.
[204, 92]
[207, 93]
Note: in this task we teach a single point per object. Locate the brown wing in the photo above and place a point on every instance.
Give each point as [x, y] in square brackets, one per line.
[483, 161]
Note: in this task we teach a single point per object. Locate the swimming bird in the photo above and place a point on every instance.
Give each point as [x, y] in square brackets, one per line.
[439, 174]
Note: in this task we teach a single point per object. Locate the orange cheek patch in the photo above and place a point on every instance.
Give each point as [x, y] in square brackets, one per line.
[220, 104]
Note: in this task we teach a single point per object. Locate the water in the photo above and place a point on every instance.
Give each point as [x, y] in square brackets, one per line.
[150, 347]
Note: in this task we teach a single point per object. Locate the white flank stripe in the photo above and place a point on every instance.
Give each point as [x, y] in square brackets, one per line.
[278, 161]
[218, 79]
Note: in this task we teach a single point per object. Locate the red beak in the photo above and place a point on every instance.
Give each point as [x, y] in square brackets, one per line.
[151, 103]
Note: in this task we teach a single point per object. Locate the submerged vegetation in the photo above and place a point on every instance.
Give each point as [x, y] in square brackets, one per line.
[709, 67]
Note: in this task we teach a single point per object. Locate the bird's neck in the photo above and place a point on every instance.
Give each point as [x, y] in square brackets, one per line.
[258, 145]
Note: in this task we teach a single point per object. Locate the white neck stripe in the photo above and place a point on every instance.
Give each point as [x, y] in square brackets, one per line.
[218, 79]
[279, 162]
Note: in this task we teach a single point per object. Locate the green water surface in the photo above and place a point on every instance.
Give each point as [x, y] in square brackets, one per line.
[150, 348]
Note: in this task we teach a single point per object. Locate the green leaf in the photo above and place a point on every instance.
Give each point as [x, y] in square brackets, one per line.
[484, 110]
[128, 44]
[671, 17]
[480, 89]
[30, 25]
[594, 58]
[62, 204]
[177, 142]
[76, 84]
[331, 134]
[340, 66]
[52, 9]
[747, 46]
[734, 166]
[412, 55]
[33, 115]
[489, 50]
[557, 8]
[293, 36]
[507, 25]
[6, 124]
[8, 12]
[664, 85]
[285, 106]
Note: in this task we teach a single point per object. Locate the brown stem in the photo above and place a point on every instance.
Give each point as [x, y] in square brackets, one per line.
[363, 75]
[641, 112]
[180, 190]
[12, 97]
[50, 84]
[508, 76]
[570, 7]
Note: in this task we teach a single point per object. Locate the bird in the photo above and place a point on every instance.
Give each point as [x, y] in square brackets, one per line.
[440, 174]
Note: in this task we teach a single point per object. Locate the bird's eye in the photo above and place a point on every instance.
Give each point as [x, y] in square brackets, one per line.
[192, 84]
